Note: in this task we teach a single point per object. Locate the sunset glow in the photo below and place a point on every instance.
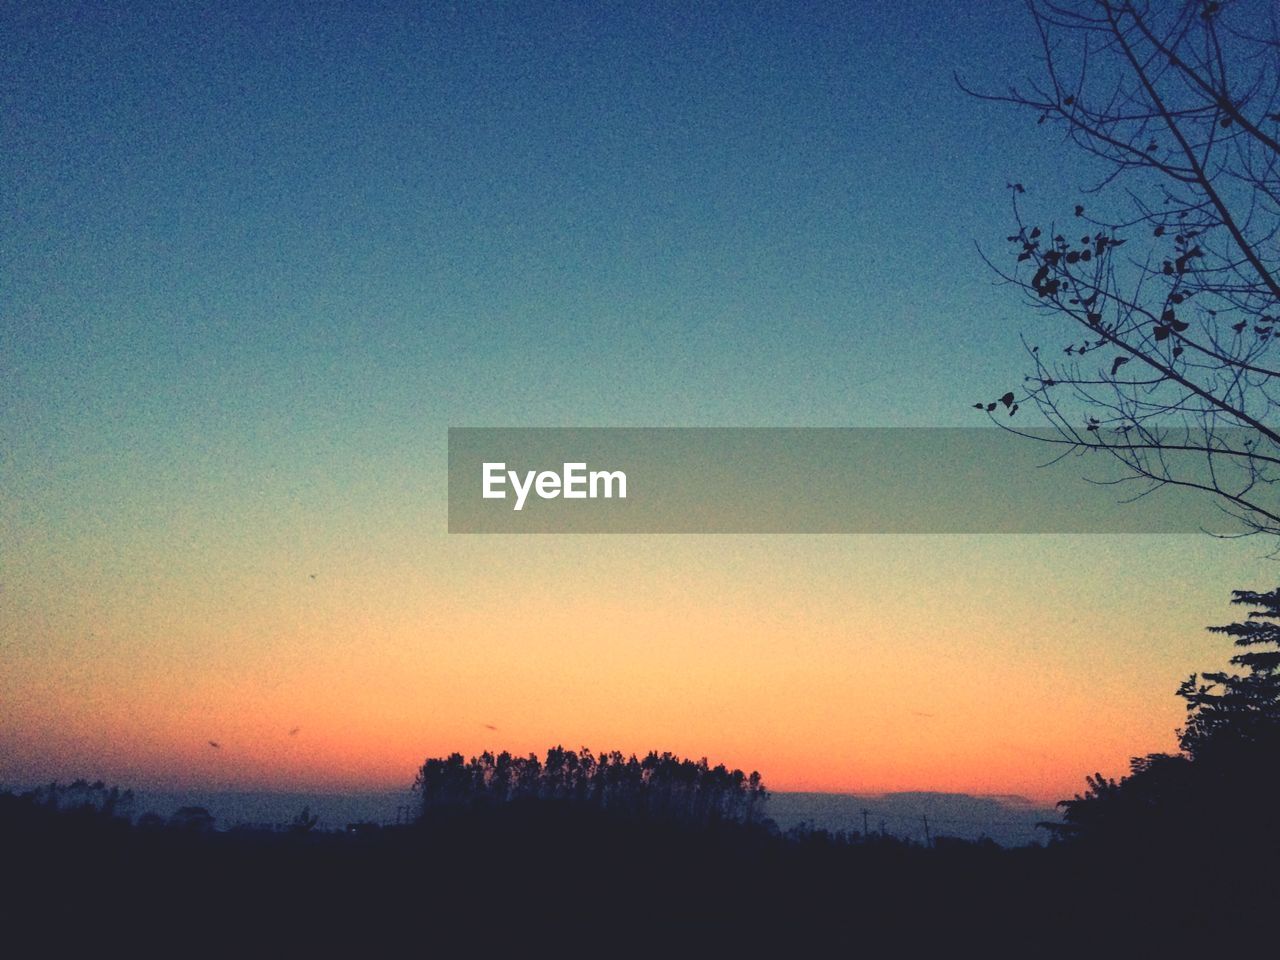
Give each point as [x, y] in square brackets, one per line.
[260, 260]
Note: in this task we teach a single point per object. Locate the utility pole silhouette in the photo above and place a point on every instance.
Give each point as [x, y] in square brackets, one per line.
[865, 830]
[928, 839]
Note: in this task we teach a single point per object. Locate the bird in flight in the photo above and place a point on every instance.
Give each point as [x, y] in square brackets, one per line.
[490, 726]
[215, 744]
[294, 731]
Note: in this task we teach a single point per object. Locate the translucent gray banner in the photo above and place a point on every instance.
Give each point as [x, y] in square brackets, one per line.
[799, 480]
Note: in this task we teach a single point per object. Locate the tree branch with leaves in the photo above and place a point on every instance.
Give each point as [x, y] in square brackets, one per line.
[1161, 288]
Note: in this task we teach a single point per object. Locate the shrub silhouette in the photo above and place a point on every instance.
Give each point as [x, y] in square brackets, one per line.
[192, 819]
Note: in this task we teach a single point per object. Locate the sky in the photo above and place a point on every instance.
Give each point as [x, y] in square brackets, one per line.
[257, 259]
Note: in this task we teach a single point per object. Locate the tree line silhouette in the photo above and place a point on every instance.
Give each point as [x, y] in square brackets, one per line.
[662, 786]
[572, 847]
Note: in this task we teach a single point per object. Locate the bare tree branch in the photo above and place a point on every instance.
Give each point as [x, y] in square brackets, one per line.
[1176, 277]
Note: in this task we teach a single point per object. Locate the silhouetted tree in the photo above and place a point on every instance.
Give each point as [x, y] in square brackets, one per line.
[1228, 712]
[1163, 283]
[1218, 795]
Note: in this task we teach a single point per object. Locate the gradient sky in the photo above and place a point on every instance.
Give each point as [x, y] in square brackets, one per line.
[257, 258]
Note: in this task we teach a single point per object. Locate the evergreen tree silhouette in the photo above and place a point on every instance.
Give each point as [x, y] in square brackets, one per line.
[1229, 712]
[1213, 799]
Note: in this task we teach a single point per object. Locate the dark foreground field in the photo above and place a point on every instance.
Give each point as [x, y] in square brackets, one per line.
[538, 877]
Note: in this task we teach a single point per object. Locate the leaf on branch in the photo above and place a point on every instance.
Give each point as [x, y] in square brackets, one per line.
[1181, 264]
[1162, 333]
[1007, 399]
[1079, 210]
[1177, 352]
[1160, 230]
[1117, 363]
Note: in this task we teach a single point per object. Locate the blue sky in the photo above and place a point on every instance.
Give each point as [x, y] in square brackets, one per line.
[507, 213]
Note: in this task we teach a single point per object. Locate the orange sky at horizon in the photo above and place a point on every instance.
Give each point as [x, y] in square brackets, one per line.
[986, 665]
